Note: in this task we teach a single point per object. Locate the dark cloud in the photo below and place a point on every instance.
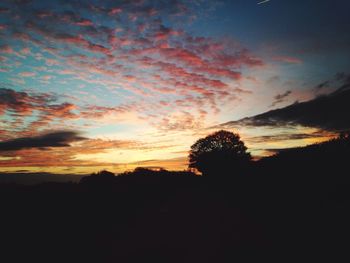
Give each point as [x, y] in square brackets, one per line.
[20, 102]
[23, 103]
[53, 139]
[344, 79]
[280, 98]
[19, 105]
[322, 85]
[287, 137]
[3, 10]
[330, 112]
[340, 78]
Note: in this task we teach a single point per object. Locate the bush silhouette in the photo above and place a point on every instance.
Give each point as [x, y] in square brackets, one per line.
[221, 151]
[159, 172]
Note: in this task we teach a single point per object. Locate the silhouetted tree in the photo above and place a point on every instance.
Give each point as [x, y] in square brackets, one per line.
[219, 152]
[99, 177]
[104, 173]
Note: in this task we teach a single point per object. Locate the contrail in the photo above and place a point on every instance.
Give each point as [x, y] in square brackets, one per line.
[263, 2]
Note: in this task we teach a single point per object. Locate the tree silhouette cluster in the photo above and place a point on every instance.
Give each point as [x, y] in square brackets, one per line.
[220, 152]
[144, 171]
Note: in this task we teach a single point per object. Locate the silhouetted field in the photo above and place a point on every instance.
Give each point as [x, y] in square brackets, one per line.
[293, 207]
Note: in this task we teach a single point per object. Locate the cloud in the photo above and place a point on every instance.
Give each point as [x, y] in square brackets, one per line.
[31, 111]
[20, 102]
[342, 76]
[3, 10]
[322, 85]
[6, 49]
[115, 10]
[138, 52]
[84, 22]
[340, 80]
[279, 98]
[344, 80]
[170, 164]
[53, 139]
[287, 137]
[328, 112]
[63, 111]
[92, 146]
[82, 152]
[27, 74]
[287, 59]
[180, 122]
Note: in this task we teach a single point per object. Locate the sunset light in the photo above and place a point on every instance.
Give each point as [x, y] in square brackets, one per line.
[135, 83]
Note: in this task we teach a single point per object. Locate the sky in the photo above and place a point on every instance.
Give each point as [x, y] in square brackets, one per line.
[91, 85]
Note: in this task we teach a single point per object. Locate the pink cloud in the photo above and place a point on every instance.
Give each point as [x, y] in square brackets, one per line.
[21, 103]
[66, 72]
[27, 74]
[241, 58]
[47, 77]
[25, 51]
[287, 59]
[182, 55]
[180, 122]
[164, 33]
[115, 10]
[63, 111]
[98, 49]
[6, 49]
[24, 37]
[44, 14]
[96, 112]
[84, 22]
[146, 58]
[221, 72]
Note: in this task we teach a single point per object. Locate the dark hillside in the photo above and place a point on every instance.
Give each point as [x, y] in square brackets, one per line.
[295, 204]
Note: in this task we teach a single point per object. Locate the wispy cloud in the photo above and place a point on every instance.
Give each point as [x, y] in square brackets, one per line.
[288, 59]
[279, 98]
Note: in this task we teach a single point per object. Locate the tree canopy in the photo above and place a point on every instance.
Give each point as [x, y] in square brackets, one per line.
[221, 151]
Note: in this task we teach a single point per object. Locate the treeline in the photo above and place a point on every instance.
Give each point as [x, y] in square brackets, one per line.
[285, 208]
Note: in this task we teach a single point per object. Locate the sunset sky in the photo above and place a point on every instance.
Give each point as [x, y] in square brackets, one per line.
[91, 85]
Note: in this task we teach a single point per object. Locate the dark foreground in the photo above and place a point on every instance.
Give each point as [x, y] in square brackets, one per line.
[175, 220]
[294, 208]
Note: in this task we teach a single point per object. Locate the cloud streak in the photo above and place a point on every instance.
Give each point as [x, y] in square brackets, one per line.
[53, 139]
[279, 98]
